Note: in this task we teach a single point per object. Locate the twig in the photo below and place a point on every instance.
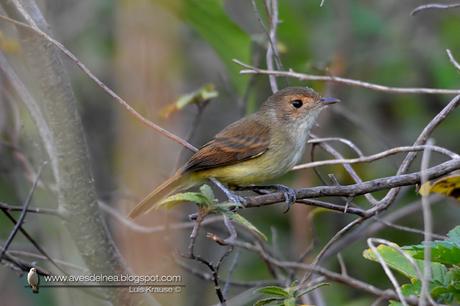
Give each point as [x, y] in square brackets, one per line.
[23, 213]
[272, 49]
[390, 275]
[208, 277]
[406, 228]
[231, 269]
[347, 142]
[272, 6]
[452, 59]
[428, 229]
[326, 247]
[340, 208]
[22, 265]
[408, 257]
[34, 29]
[421, 139]
[347, 280]
[152, 229]
[41, 257]
[433, 6]
[44, 211]
[377, 156]
[343, 267]
[349, 169]
[310, 77]
[358, 189]
[372, 227]
[191, 254]
[394, 191]
[194, 234]
[32, 241]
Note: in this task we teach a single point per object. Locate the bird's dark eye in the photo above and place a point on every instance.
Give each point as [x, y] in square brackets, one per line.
[297, 103]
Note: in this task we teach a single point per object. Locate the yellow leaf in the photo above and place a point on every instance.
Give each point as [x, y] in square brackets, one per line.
[204, 94]
[448, 185]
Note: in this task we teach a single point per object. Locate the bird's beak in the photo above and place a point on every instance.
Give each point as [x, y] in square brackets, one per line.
[328, 100]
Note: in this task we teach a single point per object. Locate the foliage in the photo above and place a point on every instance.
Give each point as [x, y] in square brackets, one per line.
[207, 203]
[448, 185]
[278, 296]
[198, 97]
[210, 20]
[445, 281]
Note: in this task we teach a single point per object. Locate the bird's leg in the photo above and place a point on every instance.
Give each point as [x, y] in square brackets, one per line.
[231, 196]
[290, 195]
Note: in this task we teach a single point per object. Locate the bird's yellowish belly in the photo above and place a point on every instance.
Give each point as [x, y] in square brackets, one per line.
[252, 171]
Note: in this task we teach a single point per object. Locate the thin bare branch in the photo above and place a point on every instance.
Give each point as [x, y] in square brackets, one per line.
[357, 83]
[377, 156]
[333, 276]
[129, 223]
[34, 29]
[23, 213]
[272, 6]
[331, 150]
[452, 59]
[428, 229]
[345, 141]
[41, 257]
[357, 189]
[44, 211]
[434, 6]
[390, 275]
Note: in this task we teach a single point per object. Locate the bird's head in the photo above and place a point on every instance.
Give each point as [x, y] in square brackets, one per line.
[296, 105]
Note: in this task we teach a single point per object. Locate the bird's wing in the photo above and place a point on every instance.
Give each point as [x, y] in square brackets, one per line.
[242, 140]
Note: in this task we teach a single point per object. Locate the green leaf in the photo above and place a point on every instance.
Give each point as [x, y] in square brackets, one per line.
[393, 259]
[454, 235]
[179, 198]
[411, 289]
[398, 262]
[267, 301]
[273, 290]
[310, 289]
[444, 252]
[208, 193]
[289, 302]
[243, 221]
[445, 295]
[210, 20]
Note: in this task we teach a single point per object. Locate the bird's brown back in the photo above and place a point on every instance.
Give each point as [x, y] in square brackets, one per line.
[233, 144]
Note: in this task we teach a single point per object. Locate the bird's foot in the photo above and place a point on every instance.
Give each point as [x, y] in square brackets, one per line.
[290, 195]
[238, 200]
[235, 198]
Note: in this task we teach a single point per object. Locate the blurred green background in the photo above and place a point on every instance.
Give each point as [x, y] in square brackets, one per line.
[153, 51]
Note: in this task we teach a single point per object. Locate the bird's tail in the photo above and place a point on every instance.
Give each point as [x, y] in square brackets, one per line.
[34, 289]
[178, 181]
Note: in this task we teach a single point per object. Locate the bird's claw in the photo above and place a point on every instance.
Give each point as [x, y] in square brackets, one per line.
[290, 195]
[237, 199]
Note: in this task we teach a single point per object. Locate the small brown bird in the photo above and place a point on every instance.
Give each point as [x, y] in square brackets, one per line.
[33, 279]
[256, 148]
